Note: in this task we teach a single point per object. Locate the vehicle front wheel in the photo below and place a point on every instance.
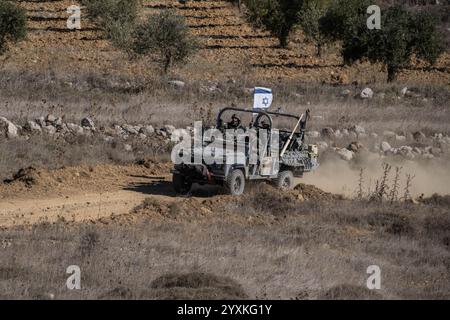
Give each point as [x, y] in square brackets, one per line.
[181, 184]
[235, 182]
[285, 180]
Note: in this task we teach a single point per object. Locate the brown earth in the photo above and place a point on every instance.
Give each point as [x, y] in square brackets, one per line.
[231, 47]
[105, 192]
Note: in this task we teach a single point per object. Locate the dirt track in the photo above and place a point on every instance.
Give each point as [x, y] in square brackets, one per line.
[74, 195]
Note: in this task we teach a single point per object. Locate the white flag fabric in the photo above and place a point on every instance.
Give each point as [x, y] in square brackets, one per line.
[262, 98]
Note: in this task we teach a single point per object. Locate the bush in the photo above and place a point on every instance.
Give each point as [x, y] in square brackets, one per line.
[167, 36]
[401, 36]
[309, 20]
[277, 16]
[117, 18]
[12, 24]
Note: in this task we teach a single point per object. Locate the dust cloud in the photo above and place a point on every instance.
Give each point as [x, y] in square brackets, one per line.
[341, 177]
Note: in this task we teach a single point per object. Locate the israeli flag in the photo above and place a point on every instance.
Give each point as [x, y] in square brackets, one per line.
[262, 98]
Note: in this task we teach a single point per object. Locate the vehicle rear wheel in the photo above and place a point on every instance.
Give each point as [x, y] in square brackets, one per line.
[285, 180]
[235, 182]
[181, 184]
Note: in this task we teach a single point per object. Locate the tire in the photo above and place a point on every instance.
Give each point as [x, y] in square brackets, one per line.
[285, 180]
[235, 182]
[180, 184]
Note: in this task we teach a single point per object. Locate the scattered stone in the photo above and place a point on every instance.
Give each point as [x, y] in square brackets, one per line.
[345, 154]
[367, 93]
[50, 119]
[177, 84]
[130, 129]
[400, 138]
[169, 128]
[127, 147]
[8, 128]
[355, 146]
[32, 127]
[345, 93]
[41, 121]
[75, 129]
[328, 132]
[87, 123]
[147, 130]
[419, 136]
[357, 129]
[385, 146]
[50, 130]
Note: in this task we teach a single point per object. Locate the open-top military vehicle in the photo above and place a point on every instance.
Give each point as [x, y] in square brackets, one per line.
[292, 157]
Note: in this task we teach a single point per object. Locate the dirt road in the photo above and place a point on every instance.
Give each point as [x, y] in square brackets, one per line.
[81, 194]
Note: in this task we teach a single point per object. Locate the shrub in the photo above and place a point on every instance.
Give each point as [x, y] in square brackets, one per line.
[117, 19]
[277, 16]
[167, 36]
[401, 36]
[12, 24]
[309, 20]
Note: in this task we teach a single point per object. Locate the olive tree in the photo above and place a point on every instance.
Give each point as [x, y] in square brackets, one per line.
[402, 35]
[166, 36]
[277, 16]
[12, 24]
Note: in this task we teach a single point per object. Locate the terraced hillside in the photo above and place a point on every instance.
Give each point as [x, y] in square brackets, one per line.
[231, 48]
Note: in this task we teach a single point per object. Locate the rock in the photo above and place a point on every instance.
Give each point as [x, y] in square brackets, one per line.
[142, 136]
[313, 134]
[428, 156]
[345, 154]
[87, 123]
[130, 129]
[419, 136]
[417, 150]
[367, 93]
[169, 128]
[385, 146]
[373, 135]
[345, 132]
[32, 127]
[50, 130]
[127, 147]
[404, 91]
[355, 146]
[75, 129]
[40, 121]
[8, 128]
[328, 132]
[435, 151]
[177, 84]
[400, 138]
[148, 130]
[50, 119]
[357, 129]
[177, 135]
[162, 133]
[345, 93]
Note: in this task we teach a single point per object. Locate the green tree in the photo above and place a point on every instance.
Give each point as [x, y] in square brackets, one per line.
[167, 36]
[309, 20]
[277, 16]
[401, 36]
[12, 24]
[117, 18]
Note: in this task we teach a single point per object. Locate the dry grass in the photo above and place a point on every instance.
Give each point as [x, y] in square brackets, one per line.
[319, 250]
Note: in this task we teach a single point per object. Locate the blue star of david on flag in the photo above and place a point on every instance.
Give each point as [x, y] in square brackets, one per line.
[262, 98]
